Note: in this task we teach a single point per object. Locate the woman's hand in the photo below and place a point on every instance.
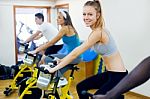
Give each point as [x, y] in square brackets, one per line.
[58, 61]
[47, 67]
[42, 59]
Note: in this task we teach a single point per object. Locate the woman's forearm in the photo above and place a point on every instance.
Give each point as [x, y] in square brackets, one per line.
[65, 61]
[69, 58]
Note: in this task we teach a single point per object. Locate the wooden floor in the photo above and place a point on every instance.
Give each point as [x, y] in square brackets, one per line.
[79, 75]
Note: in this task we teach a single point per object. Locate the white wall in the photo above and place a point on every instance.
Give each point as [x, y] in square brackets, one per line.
[7, 45]
[128, 21]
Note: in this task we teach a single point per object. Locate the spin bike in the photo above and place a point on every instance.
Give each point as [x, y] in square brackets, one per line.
[25, 70]
[31, 88]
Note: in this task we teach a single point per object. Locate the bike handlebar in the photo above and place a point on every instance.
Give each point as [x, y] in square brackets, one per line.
[42, 70]
[87, 93]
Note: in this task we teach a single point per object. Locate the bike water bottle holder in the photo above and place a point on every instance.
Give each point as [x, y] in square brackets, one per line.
[45, 78]
[23, 47]
[29, 59]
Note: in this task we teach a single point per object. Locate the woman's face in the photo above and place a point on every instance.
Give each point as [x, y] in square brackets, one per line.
[89, 15]
[60, 19]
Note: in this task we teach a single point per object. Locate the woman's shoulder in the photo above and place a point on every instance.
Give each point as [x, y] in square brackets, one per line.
[104, 31]
[98, 31]
[64, 28]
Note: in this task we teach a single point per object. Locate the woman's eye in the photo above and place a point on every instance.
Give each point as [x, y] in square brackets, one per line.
[84, 14]
[90, 14]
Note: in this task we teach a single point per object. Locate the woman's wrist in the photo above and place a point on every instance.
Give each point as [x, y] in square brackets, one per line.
[51, 70]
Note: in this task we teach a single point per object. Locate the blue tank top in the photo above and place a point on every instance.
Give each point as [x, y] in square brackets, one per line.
[106, 49]
[71, 42]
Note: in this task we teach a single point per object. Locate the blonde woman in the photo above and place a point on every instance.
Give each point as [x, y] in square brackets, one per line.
[103, 43]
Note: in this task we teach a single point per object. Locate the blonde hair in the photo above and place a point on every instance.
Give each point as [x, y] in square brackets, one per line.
[96, 4]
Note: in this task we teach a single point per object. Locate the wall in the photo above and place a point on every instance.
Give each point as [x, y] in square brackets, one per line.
[128, 22]
[7, 51]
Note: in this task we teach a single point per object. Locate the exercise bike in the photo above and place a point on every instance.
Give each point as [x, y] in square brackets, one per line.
[32, 87]
[24, 70]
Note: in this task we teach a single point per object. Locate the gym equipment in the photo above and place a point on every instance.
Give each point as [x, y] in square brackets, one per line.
[23, 48]
[28, 89]
[31, 88]
[89, 55]
[44, 78]
[56, 91]
[25, 70]
[99, 65]
[20, 33]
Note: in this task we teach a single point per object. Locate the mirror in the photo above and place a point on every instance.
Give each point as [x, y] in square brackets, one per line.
[26, 26]
[24, 17]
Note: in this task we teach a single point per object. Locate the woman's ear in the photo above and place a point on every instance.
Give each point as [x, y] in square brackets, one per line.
[98, 15]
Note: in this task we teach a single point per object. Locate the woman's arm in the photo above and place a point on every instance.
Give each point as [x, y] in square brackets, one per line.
[93, 38]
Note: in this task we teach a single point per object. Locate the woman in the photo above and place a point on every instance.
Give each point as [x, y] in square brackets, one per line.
[67, 33]
[103, 43]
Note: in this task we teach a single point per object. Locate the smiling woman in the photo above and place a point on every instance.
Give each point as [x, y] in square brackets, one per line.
[103, 43]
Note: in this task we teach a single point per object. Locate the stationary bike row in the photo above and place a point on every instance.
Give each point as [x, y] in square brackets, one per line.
[24, 70]
[31, 88]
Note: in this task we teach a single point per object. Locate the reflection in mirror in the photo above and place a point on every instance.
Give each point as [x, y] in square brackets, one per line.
[26, 26]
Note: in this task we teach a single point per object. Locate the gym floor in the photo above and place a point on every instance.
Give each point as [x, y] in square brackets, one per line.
[81, 72]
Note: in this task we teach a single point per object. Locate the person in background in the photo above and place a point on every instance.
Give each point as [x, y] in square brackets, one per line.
[139, 75]
[103, 43]
[48, 31]
[69, 36]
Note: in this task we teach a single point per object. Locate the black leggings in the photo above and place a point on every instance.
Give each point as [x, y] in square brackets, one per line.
[53, 49]
[139, 75]
[103, 82]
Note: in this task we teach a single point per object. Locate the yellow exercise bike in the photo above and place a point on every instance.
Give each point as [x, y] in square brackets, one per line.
[25, 70]
[31, 88]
